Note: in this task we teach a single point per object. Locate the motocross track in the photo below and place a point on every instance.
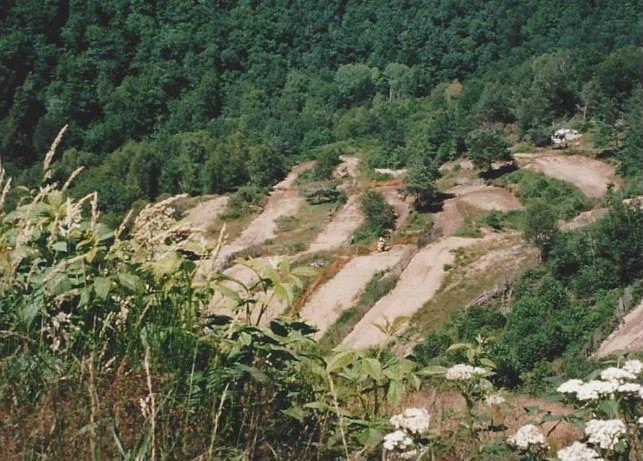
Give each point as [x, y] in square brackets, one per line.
[627, 337]
[342, 291]
[487, 198]
[418, 283]
[340, 228]
[589, 175]
[204, 214]
[284, 200]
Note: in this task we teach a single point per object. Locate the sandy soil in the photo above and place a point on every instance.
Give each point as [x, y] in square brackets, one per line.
[204, 215]
[284, 200]
[340, 228]
[342, 291]
[418, 283]
[348, 168]
[402, 207]
[591, 176]
[486, 198]
[627, 337]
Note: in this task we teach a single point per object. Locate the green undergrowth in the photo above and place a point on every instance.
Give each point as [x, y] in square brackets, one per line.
[566, 200]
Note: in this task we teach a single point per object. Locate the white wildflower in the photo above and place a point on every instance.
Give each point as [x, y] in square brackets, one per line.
[616, 374]
[526, 437]
[463, 372]
[414, 420]
[578, 452]
[640, 421]
[570, 387]
[630, 389]
[604, 433]
[633, 366]
[595, 389]
[397, 440]
[495, 399]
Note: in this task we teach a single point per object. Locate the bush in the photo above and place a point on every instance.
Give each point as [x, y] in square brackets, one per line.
[378, 215]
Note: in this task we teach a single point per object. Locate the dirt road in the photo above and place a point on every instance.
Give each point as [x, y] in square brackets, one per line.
[418, 283]
[591, 176]
[487, 198]
[342, 291]
[204, 215]
[627, 337]
[284, 200]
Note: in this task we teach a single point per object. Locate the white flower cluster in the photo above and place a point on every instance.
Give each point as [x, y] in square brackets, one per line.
[397, 440]
[494, 399]
[578, 452]
[605, 433]
[614, 381]
[640, 421]
[527, 436]
[463, 372]
[633, 366]
[617, 374]
[413, 420]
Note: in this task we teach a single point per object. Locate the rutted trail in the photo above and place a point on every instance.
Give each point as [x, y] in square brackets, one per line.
[627, 337]
[591, 176]
[342, 291]
[487, 198]
[204, 214]
[284, 200]
[418, 283]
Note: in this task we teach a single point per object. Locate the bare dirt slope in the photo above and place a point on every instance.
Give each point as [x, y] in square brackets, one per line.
[418, 283]
[627, 337]
[340, 228]
[590, 175]
[284, 200]
[583, 219]
[342, 291]
[349, 167]
[401, 206]
[487, 198]
[204, 215]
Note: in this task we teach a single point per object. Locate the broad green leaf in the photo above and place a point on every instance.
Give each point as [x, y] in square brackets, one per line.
[373, 367]
[129, 281]
[433, 370]
[295, 412]
[60, 246]
[101, 287]
[370, 437]
[339, 361]
[487, 363]
[395, 392]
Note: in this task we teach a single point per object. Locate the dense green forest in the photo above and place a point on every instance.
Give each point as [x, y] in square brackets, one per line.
[203, 97]
[107, 347]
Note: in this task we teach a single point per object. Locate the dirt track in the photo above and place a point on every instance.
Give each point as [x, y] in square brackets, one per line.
[284, 200]
[487, 198]
[204, 214]
[627, 337]
[340, 228]
[418, 283]
[589, 175]
[342, 291]
[402, 207]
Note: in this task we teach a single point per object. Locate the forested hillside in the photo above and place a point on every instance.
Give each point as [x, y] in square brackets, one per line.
[217, 94]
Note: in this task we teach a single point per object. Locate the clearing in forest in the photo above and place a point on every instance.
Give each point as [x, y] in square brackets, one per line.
[487, 198]
[342, 291]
